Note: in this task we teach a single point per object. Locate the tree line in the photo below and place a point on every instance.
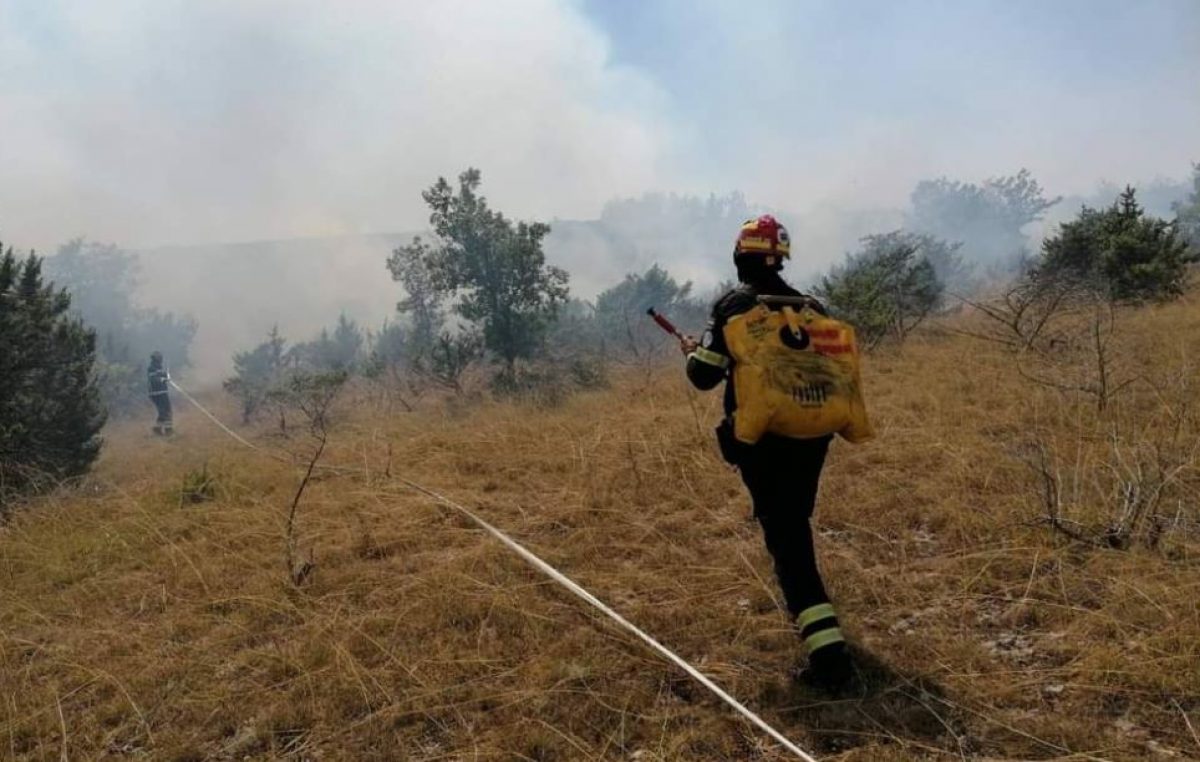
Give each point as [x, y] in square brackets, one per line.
[481, 304]
[1119, 254]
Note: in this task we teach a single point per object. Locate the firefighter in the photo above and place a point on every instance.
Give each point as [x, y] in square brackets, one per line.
[780, 472]
[158, 378]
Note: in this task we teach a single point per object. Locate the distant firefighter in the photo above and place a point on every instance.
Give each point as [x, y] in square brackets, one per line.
[158, 378]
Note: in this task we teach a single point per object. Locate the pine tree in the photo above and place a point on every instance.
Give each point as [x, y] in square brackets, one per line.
[1121, 250]
[50, 410]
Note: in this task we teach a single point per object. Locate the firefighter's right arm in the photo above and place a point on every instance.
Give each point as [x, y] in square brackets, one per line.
[709, 362]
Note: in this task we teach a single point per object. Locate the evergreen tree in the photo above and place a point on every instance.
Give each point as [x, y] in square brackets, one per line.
[1126, 253]
[50, 411]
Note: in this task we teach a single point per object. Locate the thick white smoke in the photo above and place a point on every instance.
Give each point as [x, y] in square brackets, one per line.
[150, 122]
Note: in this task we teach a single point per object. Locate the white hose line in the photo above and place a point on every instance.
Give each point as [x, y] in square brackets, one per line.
[574, 587]
[212, 417]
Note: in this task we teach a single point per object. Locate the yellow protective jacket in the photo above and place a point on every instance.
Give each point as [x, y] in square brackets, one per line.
[796, 374]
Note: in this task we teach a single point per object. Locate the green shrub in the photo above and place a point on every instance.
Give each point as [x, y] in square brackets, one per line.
[888, 287]
[1127, 254]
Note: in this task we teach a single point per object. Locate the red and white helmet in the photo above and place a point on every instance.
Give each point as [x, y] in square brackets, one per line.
[763, 237]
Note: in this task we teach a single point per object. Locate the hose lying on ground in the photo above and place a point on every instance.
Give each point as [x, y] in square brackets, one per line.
[567, 583]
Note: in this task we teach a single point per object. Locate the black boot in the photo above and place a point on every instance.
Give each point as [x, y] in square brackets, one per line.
[830, 667]
[829, 671]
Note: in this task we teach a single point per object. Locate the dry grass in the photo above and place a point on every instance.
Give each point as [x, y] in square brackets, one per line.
[137, 623]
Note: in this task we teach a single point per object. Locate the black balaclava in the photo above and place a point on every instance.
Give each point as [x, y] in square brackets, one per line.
[753, 271]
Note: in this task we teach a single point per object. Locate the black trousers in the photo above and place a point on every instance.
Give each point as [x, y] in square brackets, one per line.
[163, 403]
[782, 475]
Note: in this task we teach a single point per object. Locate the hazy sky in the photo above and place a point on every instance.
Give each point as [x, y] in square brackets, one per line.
[158, 121]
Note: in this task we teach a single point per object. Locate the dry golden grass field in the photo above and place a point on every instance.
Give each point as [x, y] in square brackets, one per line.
[136, 622]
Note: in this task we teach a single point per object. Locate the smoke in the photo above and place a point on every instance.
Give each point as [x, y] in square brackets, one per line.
[239, 292]
[170, 126]
[151, 122]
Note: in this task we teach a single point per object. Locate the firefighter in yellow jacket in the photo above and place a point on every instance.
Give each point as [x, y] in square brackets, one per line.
[791, 383]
